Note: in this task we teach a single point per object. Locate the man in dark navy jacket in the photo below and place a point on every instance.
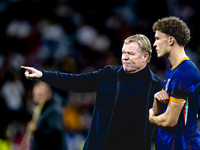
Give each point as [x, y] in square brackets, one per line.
[124, 96]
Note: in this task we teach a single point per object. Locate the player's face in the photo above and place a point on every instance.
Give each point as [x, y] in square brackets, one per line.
[161, 44]
[133, 59]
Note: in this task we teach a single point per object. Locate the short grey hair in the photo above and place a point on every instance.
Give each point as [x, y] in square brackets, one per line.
[143, 41]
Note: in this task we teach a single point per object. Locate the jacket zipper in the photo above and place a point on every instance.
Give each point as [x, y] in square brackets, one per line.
[147, 116]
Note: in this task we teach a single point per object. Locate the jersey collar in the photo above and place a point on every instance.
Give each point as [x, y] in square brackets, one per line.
[185, 58]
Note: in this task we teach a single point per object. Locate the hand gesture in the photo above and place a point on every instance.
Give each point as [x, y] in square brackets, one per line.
[32, 73]
[162, 97]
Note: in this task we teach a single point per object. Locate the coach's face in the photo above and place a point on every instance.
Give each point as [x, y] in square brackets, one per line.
[133, 59]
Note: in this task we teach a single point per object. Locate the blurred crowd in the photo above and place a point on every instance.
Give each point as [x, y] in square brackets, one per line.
[73, 36]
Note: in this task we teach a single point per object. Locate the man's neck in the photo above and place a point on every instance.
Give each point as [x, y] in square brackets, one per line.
[176, 55]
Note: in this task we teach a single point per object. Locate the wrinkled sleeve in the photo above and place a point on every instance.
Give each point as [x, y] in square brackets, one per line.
[85, 82]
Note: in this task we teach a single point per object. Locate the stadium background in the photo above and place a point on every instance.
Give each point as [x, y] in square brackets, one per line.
[74, 36]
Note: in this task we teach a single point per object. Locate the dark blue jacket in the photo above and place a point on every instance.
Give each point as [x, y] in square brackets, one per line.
[107, 83]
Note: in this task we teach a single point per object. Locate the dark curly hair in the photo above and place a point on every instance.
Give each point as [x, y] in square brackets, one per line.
[175, 27]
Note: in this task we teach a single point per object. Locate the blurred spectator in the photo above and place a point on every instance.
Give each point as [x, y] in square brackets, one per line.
[47, 124]
[72, 115]
[54, 40]
[86, 35]
[77, 118]
[18, 28]
[12, 92]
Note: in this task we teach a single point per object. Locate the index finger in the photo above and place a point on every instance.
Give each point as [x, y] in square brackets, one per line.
[27, 68]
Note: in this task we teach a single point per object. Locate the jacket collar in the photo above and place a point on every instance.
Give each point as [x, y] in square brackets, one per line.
[153, 77]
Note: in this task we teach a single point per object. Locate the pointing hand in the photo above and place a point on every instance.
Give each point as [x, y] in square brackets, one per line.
[32, 73]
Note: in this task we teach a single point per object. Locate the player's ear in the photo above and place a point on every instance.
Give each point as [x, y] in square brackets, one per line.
[171, 40]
